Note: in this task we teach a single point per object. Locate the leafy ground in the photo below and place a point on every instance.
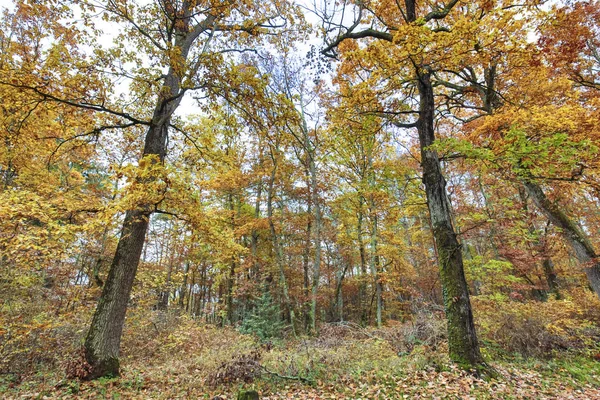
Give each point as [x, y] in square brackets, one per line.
[167, 356]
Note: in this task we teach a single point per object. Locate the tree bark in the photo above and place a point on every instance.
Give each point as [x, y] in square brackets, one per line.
[577, 239]
[314, 190]
[232, 265]
[306, 260]
[104, 336]
[462, 338]
[374, 265]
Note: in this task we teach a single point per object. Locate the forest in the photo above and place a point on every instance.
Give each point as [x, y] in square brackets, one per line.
[326, 199]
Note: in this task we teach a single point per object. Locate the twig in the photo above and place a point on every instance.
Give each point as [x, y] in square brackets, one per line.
[290, 377]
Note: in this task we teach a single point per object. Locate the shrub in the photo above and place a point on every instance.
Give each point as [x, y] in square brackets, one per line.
[265, 320]
[242, 368]
[535, 328]
[426, 328]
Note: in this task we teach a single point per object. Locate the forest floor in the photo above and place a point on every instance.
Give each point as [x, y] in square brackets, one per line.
[168, 357]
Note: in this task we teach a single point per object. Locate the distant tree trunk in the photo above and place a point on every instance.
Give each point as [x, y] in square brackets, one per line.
[374, 265]
[203, 296]
[339, 298]
[462, 338]
[551, 277]
[314, 190]
[189, 304]
[547, 264]
[582, 247]
[489, 210]
[306, 260]
[232, 265]
[165, 251]
[279, 258]
[254, 239]
[163, 298]
[374, 261]
[183, 288]
[363, 262]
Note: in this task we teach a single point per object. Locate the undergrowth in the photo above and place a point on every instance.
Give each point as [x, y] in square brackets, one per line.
[541, 350]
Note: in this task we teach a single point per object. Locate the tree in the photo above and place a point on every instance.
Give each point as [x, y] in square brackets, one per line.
[399, 35]
[184, 43]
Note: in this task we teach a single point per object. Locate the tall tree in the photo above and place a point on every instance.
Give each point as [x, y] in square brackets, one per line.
[405, 31]
[182, 42]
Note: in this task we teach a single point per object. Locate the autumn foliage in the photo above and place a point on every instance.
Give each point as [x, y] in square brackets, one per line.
[193, 200]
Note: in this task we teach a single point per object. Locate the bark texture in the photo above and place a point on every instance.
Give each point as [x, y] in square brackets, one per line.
[104, 336]
[462, 338]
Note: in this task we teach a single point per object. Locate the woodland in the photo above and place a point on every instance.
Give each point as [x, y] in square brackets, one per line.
[366, 199]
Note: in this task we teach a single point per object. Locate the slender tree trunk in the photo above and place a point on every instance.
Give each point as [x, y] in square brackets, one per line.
[279, 258]
[183, 288]
[374, 265]
[189, 303]
[489, 210]
[254, 239]
[363, 262]
[232, 265]
[166, 252]
[318, 227]
[306, 261]
[582, 247]
[163, 301]
[339, 298]
[374, 261]
[551, 277]
[462, 338]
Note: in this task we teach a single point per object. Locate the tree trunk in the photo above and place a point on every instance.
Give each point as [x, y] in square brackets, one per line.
[279, 259]
[551, 277]
[462, 338]
[582, 247]
[318, 227]
[183, 288]
[254, 238]
[189, 304]
[363, 262]
[232, 266]
[306, 260]
[374, 265]
[104, 336]
[163, 298]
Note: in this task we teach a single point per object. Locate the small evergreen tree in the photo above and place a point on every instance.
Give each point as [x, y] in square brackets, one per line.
[265, 320]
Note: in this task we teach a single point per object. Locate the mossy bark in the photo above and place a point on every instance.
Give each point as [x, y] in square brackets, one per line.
[247, 395]
[462, 338]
